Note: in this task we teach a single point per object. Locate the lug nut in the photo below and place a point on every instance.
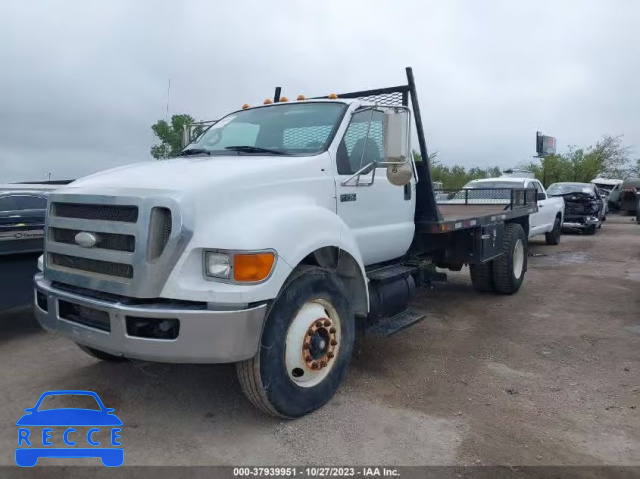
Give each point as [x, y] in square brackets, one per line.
[332, 330]
[334, 342]
[314, 365]
[319, 324]
[323, 363]
[327, 322]
[330, 354]
[308, 358]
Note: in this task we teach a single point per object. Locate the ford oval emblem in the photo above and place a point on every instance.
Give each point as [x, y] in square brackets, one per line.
[86, 240]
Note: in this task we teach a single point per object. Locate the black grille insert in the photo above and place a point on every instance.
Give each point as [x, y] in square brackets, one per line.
[94, 318]
[41, 300]
[123, 213]
[112, 241]
[108, 268]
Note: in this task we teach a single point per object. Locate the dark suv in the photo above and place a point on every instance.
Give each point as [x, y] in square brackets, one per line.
[22, 215]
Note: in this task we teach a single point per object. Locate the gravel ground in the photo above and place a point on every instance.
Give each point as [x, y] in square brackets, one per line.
[550, 376]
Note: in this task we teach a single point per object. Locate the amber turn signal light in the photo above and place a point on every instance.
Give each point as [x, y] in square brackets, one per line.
[251, 268]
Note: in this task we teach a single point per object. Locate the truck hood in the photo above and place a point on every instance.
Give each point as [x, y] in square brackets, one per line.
[194, 173]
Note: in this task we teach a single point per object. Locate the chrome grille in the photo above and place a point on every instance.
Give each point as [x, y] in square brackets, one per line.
[138, 241]
[122, 213]
[112, 241]
[108, 268]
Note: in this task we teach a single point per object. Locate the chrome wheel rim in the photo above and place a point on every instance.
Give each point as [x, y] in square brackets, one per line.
[518, 259]
[313, 343]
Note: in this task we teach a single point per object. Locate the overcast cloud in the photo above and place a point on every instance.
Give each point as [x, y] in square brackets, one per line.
[81, 82]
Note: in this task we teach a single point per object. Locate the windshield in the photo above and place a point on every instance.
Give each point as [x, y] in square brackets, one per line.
[603, 186]
[290, 129]
[564, 188]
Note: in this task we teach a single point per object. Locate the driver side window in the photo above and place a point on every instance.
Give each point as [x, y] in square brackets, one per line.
[357, 149]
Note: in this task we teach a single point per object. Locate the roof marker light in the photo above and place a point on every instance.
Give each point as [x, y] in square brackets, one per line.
[333, 96]
[268, 101]
[301, 97]
[284, 98]
[245, 106]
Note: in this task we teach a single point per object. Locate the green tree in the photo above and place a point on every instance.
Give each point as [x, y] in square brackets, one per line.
[170, 136]
[609, 158]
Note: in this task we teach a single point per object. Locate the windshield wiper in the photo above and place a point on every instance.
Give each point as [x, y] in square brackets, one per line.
[253, 149]
[195, 151]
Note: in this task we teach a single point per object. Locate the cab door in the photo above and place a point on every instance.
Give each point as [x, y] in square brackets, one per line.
[379, 214]
[541, 221]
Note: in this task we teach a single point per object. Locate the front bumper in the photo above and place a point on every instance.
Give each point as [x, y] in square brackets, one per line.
[582, 222]
[205, 336]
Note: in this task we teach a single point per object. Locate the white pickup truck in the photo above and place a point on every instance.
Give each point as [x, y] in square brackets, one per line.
[283, 233]
[547, 220]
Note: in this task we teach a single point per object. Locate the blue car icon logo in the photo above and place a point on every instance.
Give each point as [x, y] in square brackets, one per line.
[84, 433]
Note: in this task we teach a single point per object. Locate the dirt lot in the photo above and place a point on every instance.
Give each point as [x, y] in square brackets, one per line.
[548, 376]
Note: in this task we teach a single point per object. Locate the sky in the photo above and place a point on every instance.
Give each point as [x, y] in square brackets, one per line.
[82, 82]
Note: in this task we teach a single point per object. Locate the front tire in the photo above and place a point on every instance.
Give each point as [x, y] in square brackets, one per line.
[553, 237]
[509, 268]
[305, 349]
[591, 230]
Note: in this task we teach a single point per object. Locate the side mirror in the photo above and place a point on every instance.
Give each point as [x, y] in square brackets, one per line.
[396, 146]
[184, 141]
[541, 196]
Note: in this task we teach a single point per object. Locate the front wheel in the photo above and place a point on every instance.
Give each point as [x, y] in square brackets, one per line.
[591, 230]
[509, 268]
[305, 349]
[553, 236]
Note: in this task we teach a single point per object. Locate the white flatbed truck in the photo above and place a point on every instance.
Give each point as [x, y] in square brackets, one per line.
[281, 234]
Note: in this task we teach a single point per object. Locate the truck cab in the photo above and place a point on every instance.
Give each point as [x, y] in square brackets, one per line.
[280, 235]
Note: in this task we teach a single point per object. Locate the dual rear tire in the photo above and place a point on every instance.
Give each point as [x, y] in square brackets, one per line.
[505, 274]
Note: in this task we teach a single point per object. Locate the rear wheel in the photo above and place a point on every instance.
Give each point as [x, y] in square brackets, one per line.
[509, 268]
[482, 277]
[101, 354]
[553, 236]
[305, 349]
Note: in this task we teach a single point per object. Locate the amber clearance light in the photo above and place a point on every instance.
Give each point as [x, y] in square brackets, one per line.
[250, 268]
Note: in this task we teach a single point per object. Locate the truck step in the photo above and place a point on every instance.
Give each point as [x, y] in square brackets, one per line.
[389, 273]
[390, 326]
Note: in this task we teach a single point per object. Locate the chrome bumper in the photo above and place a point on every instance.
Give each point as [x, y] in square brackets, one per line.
[587, 222]
[204, 336]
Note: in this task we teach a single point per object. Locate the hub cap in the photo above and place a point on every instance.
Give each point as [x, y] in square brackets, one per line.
[518, 259]
[313, 343]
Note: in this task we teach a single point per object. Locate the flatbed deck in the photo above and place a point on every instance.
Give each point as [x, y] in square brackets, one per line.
[465, 212]
[458, 217]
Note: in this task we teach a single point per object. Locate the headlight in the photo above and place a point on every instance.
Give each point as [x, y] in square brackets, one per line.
[217, 265]
[240, 267]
